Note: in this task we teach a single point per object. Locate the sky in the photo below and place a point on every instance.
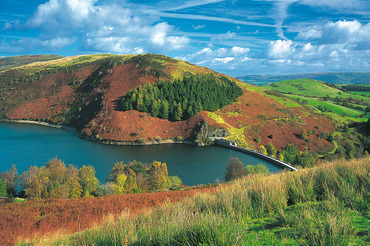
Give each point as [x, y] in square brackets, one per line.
[235, 37]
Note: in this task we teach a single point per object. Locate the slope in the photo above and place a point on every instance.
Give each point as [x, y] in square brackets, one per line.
[325, 205]
[325, 97]
[16, 61]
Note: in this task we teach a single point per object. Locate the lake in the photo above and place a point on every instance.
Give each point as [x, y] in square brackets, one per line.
[27, 144]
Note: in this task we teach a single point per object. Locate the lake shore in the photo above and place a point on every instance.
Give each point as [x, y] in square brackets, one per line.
[102, 141]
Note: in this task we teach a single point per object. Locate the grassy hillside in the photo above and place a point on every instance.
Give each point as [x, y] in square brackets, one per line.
[325, 205]
[16, 61]
[341, 105]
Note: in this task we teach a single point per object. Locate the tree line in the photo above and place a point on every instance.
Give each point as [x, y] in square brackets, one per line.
[57, 180]
[181, 99]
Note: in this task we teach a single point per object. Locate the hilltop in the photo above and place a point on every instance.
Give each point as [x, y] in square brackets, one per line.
[16, 61]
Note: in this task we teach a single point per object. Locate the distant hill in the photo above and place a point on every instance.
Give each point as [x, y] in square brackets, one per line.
[16, 61]
[333, 78]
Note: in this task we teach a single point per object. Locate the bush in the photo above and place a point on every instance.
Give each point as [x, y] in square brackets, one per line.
[141, 140]
[179, 138]
[3, 192]
[234, 169]
[256, 169]
[157, 138]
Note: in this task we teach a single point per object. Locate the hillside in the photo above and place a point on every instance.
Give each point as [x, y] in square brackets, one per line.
[325, 97]
[85, 92]
[16, 61]
[333, 78]
[325, 205]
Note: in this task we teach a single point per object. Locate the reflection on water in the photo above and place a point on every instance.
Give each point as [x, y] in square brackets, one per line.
[26, 144]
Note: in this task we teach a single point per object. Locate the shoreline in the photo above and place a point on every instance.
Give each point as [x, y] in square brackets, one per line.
[103, 141]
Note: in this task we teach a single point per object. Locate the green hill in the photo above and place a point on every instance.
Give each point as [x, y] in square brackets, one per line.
[336, 103]
[305, 87]
[325, 205]
[16, 61]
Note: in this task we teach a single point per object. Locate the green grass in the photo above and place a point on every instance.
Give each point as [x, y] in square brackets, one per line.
[310, 88]
[360, 93]
[337, 109]
[325, 205]
[304, 87]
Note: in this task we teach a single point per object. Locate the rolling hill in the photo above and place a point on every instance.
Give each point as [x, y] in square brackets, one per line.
[326, 97]
[85, 92]
[16, 61]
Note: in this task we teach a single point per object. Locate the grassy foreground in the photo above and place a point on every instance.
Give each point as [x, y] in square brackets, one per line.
[325, 205]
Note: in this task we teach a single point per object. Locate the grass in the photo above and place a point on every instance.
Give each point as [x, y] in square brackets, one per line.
[337, 109]
[325, 205]
[310, 88]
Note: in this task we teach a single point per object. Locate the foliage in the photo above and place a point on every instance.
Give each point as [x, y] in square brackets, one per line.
[10, 179]
[271, 150]
[181, 99]
[137, 177]
[88, 180]
[256, 169]
[234, 169]
[175, 182]
[3, 192]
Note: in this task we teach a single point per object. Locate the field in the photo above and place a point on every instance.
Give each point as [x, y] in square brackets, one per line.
[325, 205]
[339, 105]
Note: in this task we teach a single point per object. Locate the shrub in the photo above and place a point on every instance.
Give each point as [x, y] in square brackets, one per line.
[179, 138]
[157, 138]
[234, 169]
[141, 140]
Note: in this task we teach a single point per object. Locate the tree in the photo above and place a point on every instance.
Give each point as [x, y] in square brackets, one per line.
[164, 109]
[262, 150]
[120, 184]
[175, 182]
[73, 182]
[178, 112]
[271, 150]
[3, 192]
[256, 169]
[10, 179]
[234, 169]
[89, 182]
[158, 176]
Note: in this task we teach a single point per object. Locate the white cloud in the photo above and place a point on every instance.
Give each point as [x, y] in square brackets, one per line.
[102, 27]
[197, 27]
[239, 50]
[340, 32]
[224, 60]
[280, 49]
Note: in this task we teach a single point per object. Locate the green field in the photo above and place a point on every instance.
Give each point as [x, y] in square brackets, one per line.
[311, 92]
[310, 88]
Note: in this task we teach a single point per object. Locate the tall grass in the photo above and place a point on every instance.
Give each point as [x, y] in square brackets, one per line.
[312, 207]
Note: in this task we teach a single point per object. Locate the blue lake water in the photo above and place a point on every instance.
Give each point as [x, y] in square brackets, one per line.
[27, 144]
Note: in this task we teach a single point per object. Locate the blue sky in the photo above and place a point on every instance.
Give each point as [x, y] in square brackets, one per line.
[236, 37]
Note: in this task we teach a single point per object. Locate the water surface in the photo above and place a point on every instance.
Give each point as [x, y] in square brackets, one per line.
[27, 144]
